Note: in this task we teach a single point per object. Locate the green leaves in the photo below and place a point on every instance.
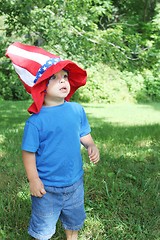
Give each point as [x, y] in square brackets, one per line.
[118, 34]
[85, 29]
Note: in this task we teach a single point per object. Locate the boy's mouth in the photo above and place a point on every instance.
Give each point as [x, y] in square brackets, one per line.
[63, 89]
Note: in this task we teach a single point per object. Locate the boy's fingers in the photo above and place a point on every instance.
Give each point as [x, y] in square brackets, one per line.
[39, 193]
[43, 191]
[95, 158]
[94, 155]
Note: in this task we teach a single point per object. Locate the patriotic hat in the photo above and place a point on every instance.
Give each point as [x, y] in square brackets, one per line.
[35, 66]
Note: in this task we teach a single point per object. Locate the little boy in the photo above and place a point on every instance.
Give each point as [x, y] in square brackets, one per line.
[51, 143]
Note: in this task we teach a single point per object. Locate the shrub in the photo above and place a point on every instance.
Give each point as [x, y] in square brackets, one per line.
[110, 85]
[11, 86]
[152, 85]
[104, 84]
[136, 86]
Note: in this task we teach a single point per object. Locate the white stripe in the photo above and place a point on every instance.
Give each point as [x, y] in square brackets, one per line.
[25, 75]
[37, 57]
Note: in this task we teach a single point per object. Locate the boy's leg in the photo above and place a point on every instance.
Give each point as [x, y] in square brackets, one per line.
[45, 214]
[73, 212]
[71, 235]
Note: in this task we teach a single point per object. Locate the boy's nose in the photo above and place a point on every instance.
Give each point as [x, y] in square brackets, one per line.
[61, 79]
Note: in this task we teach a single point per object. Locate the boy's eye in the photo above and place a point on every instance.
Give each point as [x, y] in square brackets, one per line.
[66, 76]
[53, 77]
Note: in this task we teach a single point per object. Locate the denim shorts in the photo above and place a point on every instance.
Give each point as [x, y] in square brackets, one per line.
[64, 203]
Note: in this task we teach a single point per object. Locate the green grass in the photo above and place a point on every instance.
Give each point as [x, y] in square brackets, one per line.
[121, 192]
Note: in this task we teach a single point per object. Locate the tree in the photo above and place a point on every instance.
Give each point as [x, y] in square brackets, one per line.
[122, 34]
[83, 28]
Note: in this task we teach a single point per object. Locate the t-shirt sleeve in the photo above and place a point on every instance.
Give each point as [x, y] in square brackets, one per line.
[85, 127]
[30, 141]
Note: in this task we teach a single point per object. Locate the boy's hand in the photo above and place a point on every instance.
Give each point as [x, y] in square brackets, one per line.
[93, 153]
[37, 187]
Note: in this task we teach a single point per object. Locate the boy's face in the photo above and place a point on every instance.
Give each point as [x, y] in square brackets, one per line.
[58, 86]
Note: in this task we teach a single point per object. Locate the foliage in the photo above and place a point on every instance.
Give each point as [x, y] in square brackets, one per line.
[121, 192]
[152, 85]
[121, 35]
[11, 87]
[89, 30]
[106, 84]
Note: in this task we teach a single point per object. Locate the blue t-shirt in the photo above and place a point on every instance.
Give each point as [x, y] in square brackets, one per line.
[54, 136]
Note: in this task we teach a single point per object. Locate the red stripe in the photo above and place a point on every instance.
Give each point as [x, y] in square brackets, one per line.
[29, 65]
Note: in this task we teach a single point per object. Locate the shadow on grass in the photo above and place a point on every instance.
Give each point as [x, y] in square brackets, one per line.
[13, 113]
[154, 105]
[121, 192]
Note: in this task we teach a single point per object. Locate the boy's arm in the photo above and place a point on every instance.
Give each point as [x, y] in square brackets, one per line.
[36, 185]
[93, 151]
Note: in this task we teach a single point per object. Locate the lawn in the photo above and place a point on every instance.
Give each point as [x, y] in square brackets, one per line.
[121, 192]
